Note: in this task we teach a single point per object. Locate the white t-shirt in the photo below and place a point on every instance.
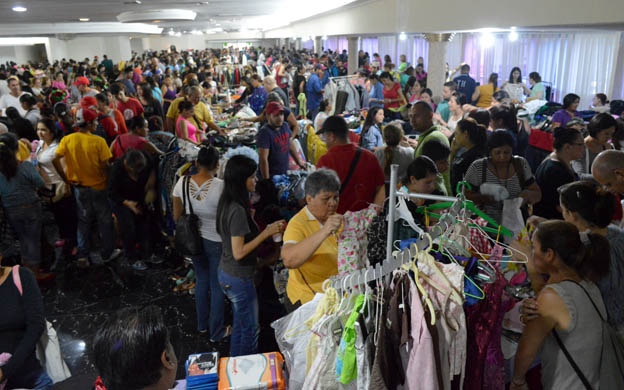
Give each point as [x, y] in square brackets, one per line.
[12, 101]
[44, 159]
[204, 200]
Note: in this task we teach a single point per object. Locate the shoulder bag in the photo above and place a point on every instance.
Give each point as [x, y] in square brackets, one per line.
[188, 241]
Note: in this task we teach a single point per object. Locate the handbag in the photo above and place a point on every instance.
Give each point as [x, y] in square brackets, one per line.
[48, 349]
[541, 139]
[611, 359]
[188, 241]
[61, 191]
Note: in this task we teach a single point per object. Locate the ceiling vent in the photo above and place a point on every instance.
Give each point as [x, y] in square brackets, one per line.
[162, 15]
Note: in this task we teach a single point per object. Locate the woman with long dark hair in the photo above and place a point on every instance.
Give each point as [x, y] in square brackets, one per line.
[601, 129]
[515, 87]
[568, 111]
[503, 117]
[371, 137]
[484, 93]
[151, 106]
[241, 237]
[472, 138]
[393, 96]
[19, 183]
[20, 126]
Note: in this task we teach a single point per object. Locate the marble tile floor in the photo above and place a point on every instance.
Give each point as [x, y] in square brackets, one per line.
[79, 300]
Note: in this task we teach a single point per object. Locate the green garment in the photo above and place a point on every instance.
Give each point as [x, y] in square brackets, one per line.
[444, 110]
[349, 363]
[538, 87]
[303, 111]
[404, 79]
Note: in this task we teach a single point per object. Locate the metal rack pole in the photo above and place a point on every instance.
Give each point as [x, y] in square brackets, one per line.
[394, 171]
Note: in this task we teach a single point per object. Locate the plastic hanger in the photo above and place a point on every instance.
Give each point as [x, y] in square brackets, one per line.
[426, 258]
[411, 266]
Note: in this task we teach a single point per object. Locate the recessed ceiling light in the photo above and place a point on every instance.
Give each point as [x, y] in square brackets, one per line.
[156, 21]
[84, 19]
[19, 8]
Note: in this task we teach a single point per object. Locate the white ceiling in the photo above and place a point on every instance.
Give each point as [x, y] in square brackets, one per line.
[231, 15]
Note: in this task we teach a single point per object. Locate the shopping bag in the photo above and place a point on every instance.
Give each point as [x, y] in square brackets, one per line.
[512, 217]
[49, 354]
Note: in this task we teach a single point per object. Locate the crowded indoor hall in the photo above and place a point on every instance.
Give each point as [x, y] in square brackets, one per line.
[274, 194]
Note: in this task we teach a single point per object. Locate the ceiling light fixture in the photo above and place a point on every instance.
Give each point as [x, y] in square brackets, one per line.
[324, 37]
[84, 19]
[178, 34]
[513, 36]
[19, 8]
[171, 33]
[402, 36]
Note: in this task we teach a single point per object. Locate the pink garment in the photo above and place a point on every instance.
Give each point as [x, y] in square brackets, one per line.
[352, 242]
[421, 370]
[190, 129]
[59, 85]
[485, 360]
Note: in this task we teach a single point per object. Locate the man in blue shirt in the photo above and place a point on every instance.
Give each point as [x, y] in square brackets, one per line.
[465, 83]
[274, 143]
[314, 90]
[376, 98]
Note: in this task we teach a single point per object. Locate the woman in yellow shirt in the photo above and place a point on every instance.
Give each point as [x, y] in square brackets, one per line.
[310, 250]
[484, 93]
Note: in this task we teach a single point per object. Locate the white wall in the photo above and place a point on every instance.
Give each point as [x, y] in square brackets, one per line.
[117, 48]
[395, 16]
[7, 53]
[184, 42]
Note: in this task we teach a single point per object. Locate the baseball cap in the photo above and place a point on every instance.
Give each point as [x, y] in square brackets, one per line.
[81, 81]
[85, 116]
[274, 108]
[88, 102]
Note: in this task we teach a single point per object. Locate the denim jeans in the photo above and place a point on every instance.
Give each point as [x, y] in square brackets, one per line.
[26, 221]
[245, 330]
[134, 229]
[209, 315]
[94, 205]
[66, 219]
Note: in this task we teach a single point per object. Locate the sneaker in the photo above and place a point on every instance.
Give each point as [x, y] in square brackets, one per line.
[139, 265]
[116, 253]
[155, 259]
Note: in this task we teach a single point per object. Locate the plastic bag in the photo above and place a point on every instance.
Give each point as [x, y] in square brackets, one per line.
[512, 217]
[245, 113]
[292, 336]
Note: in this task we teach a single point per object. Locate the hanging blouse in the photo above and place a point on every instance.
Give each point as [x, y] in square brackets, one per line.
[352, 242]
[451, 320]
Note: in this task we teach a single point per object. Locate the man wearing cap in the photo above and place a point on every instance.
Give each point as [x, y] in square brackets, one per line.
[87, 158]
[274, 143]
[82, 83]
[314, 90]
[360, 174]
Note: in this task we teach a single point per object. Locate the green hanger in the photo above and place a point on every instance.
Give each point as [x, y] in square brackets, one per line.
[469, 205]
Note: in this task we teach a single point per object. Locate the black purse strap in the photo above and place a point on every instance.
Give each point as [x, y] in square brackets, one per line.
[572, 362]
[565, 350]
[356, 158]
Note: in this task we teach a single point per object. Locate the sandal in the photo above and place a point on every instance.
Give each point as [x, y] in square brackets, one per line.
[227, 332]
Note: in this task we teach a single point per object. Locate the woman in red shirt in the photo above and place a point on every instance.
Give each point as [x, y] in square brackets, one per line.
[393, 96]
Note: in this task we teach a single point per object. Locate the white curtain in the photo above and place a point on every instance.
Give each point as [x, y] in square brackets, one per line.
[618, 83]
[308, 45]
[369, 45]
[387, 45]
[420, 48]
[580, 63]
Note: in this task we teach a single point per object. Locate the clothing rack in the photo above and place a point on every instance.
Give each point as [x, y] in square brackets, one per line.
[392, 263]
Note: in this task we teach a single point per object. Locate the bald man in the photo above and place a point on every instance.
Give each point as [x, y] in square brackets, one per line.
[608, 170]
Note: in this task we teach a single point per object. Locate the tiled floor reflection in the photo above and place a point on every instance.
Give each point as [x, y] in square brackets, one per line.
[79, 300]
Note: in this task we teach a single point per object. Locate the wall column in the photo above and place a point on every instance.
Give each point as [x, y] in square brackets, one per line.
[318, 45]
[352, 53]
[298, 44]
[438, 54]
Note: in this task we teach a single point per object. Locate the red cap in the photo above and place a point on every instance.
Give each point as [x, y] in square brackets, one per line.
[274, 108]
[88, 102]
[85, 115]
[82, 81]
